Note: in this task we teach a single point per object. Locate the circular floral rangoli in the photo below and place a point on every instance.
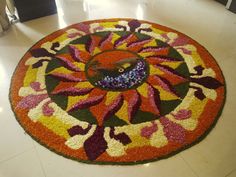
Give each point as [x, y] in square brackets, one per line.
[117, 91]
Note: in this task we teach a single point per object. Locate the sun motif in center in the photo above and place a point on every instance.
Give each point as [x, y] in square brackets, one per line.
[116, 70]
[119, 74]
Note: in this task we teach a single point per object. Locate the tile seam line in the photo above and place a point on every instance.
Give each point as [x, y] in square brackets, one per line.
[230, 172]
[194, 172]
[16, 155]
[40, 161]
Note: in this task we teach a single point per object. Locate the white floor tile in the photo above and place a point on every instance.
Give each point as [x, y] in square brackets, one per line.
[55, 165]
[12, 136]
[215, 156]
[206, 21]
[24, 165]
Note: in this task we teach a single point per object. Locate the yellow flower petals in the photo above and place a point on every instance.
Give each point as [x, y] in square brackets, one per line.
[155, 71]
[85, 84]
[111, 96]
[96, 51]
[80, 47]
[75, 99]
[79, 65]
[123, 112]
[158, 139]
[30, 76]
[114, 147]
[152, 43]
[55, 125]
[173, 65]
[61, 70]
[114, 37]
[164, 95]
[77, 141]
[143, 90]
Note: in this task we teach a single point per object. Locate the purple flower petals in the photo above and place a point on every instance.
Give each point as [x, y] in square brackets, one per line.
[133, 105]
[78, 130]
[139, 42]
[66, 77]
[198, 92]
[39, 63]
[208, 82]
[122, 39]
[149, 130]
[31, 101]
[68, 64]
[88, 44]
[83, 27]
[163, 58]
[144, 29]
[183, 114]
[154, 99]
[72, 91]
[169, 70]
[47, 110]
[35, 86]
[125, 80]
[199, 69]
[54, 46]
[105, 40]
[121, 27]
[113, 107]
[165, 84]
[174, 132]
[151, 49]
[122, 137]
[82, 104]
[75, 53]
[186, 51]
[134, 24]
[40, 52]
[180, 41]
[91, 44]
[72, 35]
[95, 145]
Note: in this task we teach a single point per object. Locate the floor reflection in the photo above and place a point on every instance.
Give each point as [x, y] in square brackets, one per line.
[70, 12]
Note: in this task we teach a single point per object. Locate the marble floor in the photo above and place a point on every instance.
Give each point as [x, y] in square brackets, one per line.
[206, 21]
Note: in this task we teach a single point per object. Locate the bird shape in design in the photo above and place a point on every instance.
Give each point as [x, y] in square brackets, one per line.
[117, 72]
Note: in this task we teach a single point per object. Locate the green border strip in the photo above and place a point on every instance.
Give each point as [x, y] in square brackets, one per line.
[198, 140]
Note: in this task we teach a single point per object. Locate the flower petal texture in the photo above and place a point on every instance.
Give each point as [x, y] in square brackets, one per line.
[117, 91]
